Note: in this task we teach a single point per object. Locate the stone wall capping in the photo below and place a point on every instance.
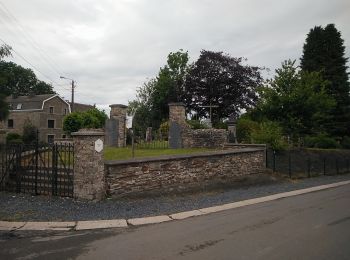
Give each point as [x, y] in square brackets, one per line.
[180, 157]
[89, 132]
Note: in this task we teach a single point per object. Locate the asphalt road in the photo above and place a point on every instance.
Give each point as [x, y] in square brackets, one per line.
[310, 226]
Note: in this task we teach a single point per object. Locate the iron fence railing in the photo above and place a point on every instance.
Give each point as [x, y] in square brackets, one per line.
[307, 162]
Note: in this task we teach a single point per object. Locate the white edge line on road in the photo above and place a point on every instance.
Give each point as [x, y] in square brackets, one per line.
[122, 223]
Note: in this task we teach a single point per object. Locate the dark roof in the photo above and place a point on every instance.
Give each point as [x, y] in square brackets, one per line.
[78, 107]
[28, 102]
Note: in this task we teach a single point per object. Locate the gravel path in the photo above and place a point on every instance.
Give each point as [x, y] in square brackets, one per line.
[22, 207]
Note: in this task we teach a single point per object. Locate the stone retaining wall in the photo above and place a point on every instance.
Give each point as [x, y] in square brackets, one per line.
[163, 174]
[212, 138]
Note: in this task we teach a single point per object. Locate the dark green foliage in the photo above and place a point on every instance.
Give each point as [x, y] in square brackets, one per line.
[152, 99]
[245, 127]
[346, 142]
[72, 122]
[220, 125]
[269, 133]
[219, 79]
[13, 138]
[321, 141]
[29, 133]
[5, 51]
[4, 108]
[14, 79]
[164, 130]
[196, 124]
[296, 100]
[324, 52]
[92, 118]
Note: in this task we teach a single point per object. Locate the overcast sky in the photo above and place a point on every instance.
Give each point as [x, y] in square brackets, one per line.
[110, 47]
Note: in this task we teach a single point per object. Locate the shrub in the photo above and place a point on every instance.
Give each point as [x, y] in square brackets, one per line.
[196, 124]
[245, 127]
[13, 138]
[92, 118]
[72, 122]
[29, 133]
[346, 142]
[164, 129]
[220, 125]
[269, 133]
[321, 141]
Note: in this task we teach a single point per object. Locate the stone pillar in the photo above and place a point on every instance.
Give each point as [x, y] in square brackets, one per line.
[231, 127]
[177, 124]
[89, 177]
[118, 112]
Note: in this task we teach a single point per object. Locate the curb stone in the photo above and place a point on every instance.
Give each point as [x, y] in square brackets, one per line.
[123, 223]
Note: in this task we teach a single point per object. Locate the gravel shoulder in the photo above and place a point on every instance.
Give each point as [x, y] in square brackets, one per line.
[24, 207]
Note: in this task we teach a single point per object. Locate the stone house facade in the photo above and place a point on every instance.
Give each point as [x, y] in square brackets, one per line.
[46, 112]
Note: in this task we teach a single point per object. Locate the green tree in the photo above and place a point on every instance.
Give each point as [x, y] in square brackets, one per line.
[72, 122]
[14, 79]
[296, 100]
[168, 86]
[4, 108]
[221, 80]
[92, 118]
[5, 51]
[152, 99]
[29, 133]
[324, 52]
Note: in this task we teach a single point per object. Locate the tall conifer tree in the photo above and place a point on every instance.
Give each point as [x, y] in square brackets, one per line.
[324, 51]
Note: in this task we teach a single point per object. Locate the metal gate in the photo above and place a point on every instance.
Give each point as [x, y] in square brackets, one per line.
[38, 169]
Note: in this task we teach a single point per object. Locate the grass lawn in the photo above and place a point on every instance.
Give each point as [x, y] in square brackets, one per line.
[112, 153]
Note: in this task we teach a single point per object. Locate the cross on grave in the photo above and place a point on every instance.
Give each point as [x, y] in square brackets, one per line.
[210, 110]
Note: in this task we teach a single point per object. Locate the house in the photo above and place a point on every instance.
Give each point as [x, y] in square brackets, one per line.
[46, 112]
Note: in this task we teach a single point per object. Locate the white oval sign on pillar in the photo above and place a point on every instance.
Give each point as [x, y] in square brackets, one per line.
[98, 145]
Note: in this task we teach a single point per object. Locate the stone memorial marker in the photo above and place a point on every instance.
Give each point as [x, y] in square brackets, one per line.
[98, 145]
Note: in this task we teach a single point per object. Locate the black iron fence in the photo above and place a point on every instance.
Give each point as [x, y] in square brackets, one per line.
[307, 162]
[152, 140]
[38, 169]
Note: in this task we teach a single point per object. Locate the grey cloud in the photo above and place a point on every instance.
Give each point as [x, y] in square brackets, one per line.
[112, 47]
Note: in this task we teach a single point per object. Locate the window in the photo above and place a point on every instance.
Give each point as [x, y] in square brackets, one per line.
[65, 111]
[51, 110]
[64, 136]
[50, 138]
[50, 123]
[10, 123]
[19, 106]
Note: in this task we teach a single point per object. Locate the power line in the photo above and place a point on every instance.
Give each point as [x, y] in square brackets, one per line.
[30, 39]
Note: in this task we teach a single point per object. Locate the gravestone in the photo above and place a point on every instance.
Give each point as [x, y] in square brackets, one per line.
[175, 137]
[111, 128]
[177, 123]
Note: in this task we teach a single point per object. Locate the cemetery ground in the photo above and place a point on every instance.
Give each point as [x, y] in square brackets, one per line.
[124, 153]
[24, 207]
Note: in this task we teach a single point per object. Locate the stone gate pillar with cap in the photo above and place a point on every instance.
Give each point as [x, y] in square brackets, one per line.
[115, 126]
[89, 176]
